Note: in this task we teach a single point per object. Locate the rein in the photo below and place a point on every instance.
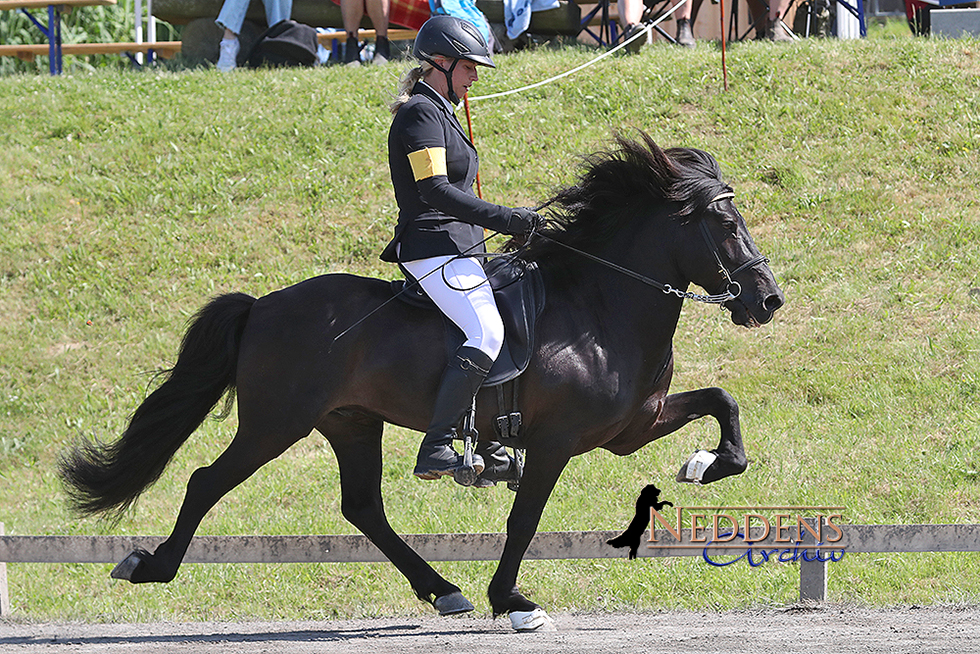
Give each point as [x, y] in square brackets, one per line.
[733, 290]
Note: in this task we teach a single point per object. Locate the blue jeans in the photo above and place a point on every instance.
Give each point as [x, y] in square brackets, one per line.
[233, 12]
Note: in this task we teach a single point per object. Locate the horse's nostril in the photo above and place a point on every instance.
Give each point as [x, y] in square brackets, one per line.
[772, 302]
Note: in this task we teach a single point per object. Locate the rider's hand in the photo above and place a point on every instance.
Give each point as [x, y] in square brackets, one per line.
[524, 221]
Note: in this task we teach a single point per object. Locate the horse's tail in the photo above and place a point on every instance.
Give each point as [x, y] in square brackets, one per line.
[107, 478]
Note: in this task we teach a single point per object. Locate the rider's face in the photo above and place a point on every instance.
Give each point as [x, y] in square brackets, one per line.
[464, 74]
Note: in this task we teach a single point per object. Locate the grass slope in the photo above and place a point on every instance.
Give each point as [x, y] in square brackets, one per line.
[128, 199]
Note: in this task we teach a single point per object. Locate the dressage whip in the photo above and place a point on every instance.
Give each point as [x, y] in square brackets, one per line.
[409, 285]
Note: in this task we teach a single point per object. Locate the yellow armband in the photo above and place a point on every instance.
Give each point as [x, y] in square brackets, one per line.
[428, 163]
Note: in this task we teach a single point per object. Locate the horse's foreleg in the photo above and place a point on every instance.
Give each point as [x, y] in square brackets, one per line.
[542, 468]
[247, 453]
[729, 458]
[357, 443]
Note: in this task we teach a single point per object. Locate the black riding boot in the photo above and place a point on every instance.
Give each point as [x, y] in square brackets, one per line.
[460, 382]
[498, 465]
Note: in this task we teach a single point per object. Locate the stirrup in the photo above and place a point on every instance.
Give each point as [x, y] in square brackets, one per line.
[468, 471]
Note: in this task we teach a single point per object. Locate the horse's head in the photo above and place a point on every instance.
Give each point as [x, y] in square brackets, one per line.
[725, 259]
[637, 199]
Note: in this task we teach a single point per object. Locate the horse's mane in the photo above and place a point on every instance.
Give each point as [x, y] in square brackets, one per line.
[635, 180]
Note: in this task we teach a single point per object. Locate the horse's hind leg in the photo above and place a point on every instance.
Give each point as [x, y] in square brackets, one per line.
[252, 447]
[356, 440]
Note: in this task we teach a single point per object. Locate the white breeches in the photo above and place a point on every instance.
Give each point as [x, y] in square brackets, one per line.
[473, 310]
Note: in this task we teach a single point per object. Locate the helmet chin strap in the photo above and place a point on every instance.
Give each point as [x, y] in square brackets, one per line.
[449, 80]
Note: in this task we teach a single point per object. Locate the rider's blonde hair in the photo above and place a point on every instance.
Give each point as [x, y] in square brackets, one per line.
[406, 84]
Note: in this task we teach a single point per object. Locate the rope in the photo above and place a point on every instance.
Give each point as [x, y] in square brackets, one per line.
[469, 124]
[643, 33]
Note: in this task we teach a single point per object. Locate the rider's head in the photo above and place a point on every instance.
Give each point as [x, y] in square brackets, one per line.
[445, 41]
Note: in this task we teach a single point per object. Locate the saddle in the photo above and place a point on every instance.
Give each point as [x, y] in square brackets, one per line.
[519, 293]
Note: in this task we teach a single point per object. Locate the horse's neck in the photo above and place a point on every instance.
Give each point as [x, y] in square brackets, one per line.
[642, 305]
[641, 308]
[628, 324]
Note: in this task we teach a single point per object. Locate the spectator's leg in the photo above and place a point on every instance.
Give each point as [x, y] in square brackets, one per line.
[277, 11]
[758, 17]
[695, 8]
[630, 13]
[777, 9]
[379, 11]
[231, 17]
[685, 35]
[352, 12]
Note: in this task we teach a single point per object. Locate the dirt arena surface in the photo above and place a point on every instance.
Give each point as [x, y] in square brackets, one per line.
[836, 629]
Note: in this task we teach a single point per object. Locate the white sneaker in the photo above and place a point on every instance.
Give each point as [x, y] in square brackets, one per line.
[228, 55]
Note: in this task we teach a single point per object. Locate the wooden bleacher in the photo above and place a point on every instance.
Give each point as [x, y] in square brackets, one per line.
[165, 49]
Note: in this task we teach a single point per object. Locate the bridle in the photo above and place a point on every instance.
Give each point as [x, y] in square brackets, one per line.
[732, 290]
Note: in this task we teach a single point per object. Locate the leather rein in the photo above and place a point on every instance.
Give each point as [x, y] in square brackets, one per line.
[732, 291]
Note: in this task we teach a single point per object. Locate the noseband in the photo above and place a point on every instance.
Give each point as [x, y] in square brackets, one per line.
[732, 291]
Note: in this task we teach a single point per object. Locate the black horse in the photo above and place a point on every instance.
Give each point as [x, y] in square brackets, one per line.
[622, 246]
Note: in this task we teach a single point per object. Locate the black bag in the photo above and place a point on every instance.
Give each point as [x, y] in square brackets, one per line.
[287, 43]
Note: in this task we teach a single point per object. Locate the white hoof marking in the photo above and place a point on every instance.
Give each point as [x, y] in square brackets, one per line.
[697, 464]
[536, 620]
[127, 567]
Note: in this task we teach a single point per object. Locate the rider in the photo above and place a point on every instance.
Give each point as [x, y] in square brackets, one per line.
[439, 235]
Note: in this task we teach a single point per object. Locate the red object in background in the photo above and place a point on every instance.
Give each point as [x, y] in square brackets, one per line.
[406, 13]
[918, 15]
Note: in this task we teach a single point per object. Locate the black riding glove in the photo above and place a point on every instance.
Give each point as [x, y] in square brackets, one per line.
[524, 221]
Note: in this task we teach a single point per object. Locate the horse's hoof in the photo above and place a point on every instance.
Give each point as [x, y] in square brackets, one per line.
[536, 620]
[452, 604]
[693, 470]
[465, 475]
[128, 565]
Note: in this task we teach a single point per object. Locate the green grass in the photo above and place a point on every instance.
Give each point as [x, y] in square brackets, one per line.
[103, 24]
[127, 199]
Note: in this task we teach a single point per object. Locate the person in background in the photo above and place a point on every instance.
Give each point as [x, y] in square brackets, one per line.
[468, 11]
[231, 17]
[379, 11]
[769, 23]
[631, 13]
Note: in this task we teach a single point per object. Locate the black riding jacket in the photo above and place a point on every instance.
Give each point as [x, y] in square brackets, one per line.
[438, 212]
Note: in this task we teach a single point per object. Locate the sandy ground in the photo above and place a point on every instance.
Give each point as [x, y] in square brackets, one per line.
[828, 629]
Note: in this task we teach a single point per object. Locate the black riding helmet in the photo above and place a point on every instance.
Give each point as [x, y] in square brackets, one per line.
[455, 39]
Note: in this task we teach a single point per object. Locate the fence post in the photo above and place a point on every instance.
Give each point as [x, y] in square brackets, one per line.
[4, 597]
[813, 574]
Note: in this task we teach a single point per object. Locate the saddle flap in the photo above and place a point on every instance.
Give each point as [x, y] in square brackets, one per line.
[519, 294]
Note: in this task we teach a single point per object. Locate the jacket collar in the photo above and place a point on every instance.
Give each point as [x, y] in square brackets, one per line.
[434, 95]
[421, 88]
